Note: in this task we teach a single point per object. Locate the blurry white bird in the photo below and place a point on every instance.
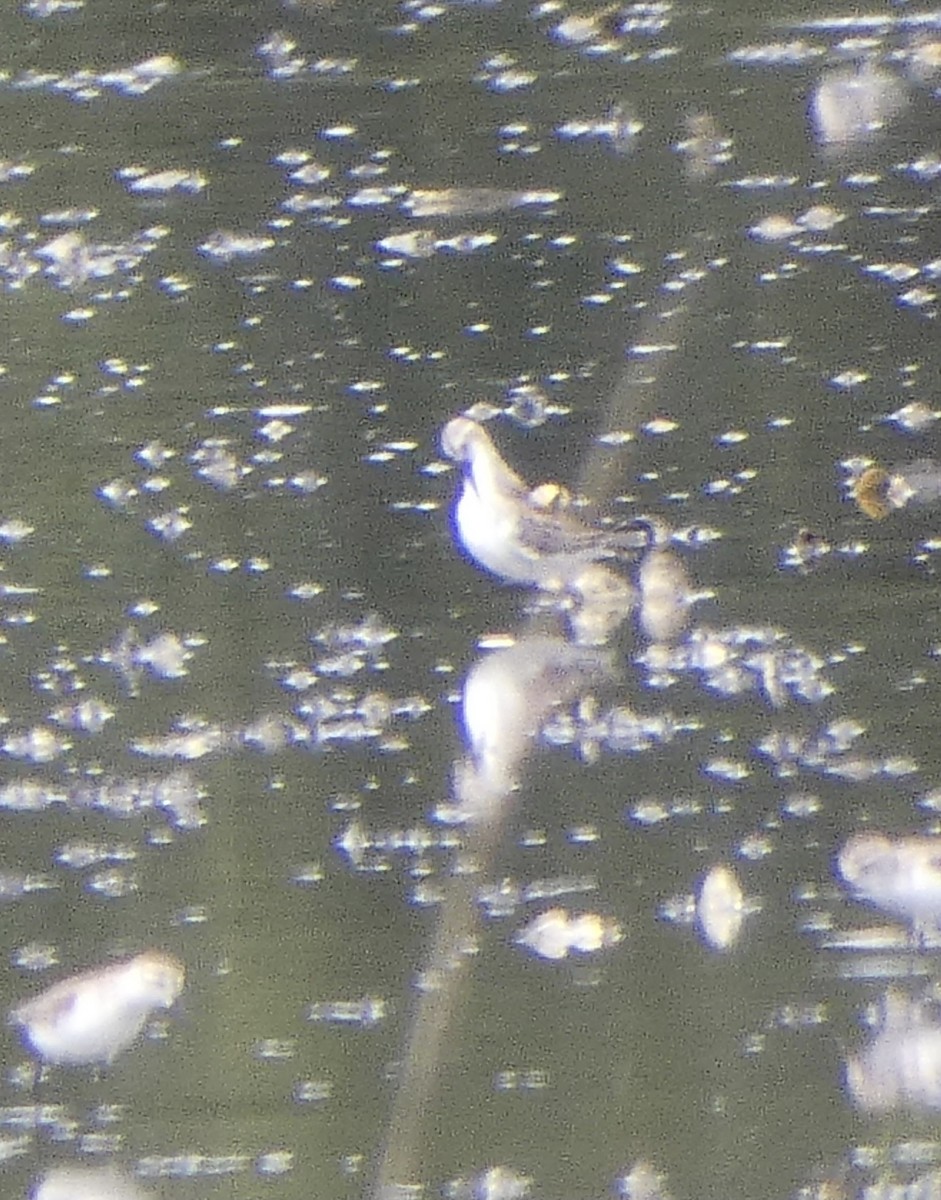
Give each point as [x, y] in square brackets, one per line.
[900, 875]
[512, 531]
[91, 1017]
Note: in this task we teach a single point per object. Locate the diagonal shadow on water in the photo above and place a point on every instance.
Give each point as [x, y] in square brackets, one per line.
[638, 395]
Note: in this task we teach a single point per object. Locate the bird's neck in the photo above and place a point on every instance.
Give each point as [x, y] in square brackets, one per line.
[491, 478]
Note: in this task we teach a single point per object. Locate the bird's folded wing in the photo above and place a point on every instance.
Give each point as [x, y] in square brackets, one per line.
[553, 533]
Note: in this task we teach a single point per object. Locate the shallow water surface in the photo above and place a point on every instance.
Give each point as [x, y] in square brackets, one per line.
[254, 256]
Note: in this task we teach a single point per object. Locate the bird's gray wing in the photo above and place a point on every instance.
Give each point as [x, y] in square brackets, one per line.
[555, 533]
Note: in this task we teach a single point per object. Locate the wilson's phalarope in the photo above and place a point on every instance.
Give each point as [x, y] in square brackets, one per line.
[516, 533]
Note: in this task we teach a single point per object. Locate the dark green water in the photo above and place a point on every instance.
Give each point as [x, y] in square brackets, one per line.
[309, 381]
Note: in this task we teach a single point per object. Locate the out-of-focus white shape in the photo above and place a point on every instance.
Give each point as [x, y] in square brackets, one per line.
[418, 243]
[170, 526]
[853, 104]
[309, 174]
[664, 593]
[820, 218]
[165, 656]
[22, 795]
[591, 932]
[158, 183]
[603, 599]
[774, 228]
[741, 659]
[900, 1068]
[501, 74]
[578, 28]
[923, 61]
[917, 297]
[730, 769]
[507, 696]
[618, 127]
[915, 417]
[38, 745]
[275, 1162]
[496, 1183]
[153, 454]
[92, 1017]
[375, 197]
[805, 551]
[902, 876]
[50, 8]
[705, 148]
[218, 465]
[277, 52]
[81, 855]
[547, 935]
[894, 272]
[225, 245]
[307, 481]
[11, 170]
[73, 260]
[659, 425]
[187, 744]
[849, 379]
[368, 636]
[367, 1012]
[920, 482]
[554, 934]
[508, 693]
[138, 79]
[13, 531]
[720, 908]
[642, 1182]
[528, 405]
[191, 1165]
[87, 1183]
[775, 53]
[453, 202]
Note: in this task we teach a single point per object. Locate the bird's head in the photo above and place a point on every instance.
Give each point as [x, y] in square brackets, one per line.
[460, 437]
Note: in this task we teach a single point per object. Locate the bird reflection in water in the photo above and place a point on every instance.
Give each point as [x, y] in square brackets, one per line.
[533, 538]
[901, 876]
[664, 592]
[900, 1068]
[508, 694]
[91, 1017]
